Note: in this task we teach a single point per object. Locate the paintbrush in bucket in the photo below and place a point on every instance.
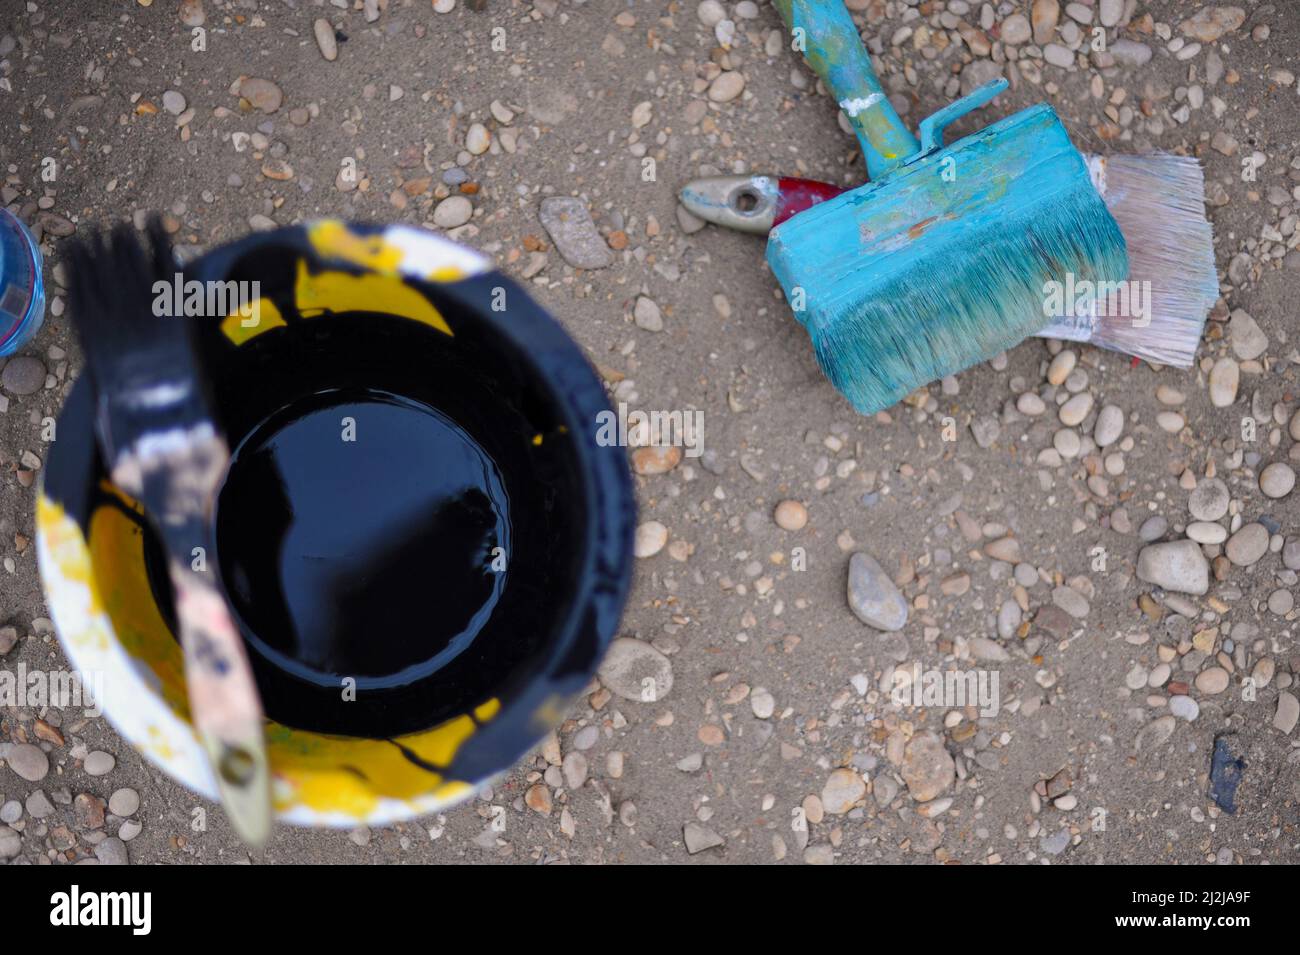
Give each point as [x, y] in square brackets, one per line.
[161, 445]
[1156, 199]
[940, 261]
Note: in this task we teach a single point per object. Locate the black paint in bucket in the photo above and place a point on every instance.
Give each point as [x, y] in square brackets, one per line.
[362, 536]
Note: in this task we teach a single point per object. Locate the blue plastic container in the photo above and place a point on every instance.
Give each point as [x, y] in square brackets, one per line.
[22, 291]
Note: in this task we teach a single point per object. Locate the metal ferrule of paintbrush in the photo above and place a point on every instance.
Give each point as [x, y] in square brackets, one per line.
[162, 446]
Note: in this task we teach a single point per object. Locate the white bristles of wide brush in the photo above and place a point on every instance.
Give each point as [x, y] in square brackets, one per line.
[1158, 201]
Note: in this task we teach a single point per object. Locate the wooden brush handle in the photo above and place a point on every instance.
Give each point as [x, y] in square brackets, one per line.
[175, 472]
[833, 48]
[224, 703]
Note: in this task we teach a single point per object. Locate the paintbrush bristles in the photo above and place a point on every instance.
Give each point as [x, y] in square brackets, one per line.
[111, 301]
[1159, 203]
[948, 312]
[111, 295]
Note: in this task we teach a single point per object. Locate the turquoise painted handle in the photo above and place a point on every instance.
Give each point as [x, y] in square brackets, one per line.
[833, 48]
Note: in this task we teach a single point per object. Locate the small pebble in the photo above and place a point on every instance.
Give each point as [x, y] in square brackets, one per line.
[124, 802]
[1277, 480]
[22, 375]
[791, 515]
[1075, 410]
[1176, 565]
[263, 95]
[452, 212]
[726, 86]
[636, 671]
[651, 537]
[571, 228]
[1248, 545]
[927, 767]
[844, 788]
[1030, 405]
[325, 39]
[1209, 501]
[477, 139]
[173, 102]
[1225, 376]
[1212, 681]
[873, 596]
[1184, 707]
[1281, 602]
[1153, 528]
[1109, 426]
[1061, 366]
[1287, 714]
[98, 763]
[112, 851]
[647, 314]
[28, 761]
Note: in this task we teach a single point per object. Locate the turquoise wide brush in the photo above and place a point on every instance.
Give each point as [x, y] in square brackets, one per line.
[947, 256]
[1155, 198]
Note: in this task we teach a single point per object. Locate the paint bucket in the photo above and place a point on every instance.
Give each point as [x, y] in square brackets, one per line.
[22, 290]
[425, 546]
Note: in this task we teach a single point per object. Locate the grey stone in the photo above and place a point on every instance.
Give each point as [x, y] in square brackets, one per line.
[1248, 545]
[1009, 617]
[630, 665]
[129, 829]
[173, 102]
[325, 39]
[1109, 426]
[1176, 565]
[1153, 528]
[1071, 601]
[28, 761]
[98, 763]
[1155, 733]
[978, 72]
[124, 802]
[1058, 55]
[23, 375]
[985, 430]
[646, 314]
[453, 212]
[11, 843]
[1248, 339]
[1184, 707]
[1130, 53]
[989, 651]
[1288, 712]
[38, 805]
[698, 838]
[1209, 500]
[575, 770]
[1277, 480]
[112, 851]
[843, 790]
[927, 768]
[872, 595]
[262, 94]
[1056, 843]
[569, 224]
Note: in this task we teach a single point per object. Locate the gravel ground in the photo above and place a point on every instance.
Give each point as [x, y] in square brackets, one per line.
[1003, 521]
